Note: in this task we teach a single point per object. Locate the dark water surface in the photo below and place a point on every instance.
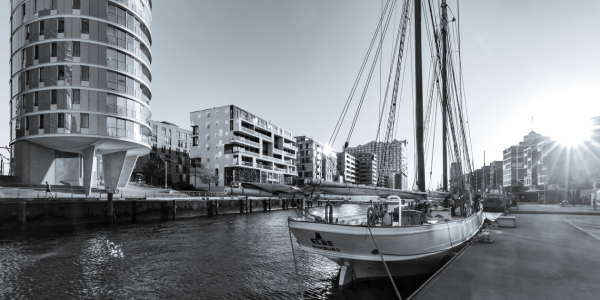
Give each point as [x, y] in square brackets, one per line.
[230, 256]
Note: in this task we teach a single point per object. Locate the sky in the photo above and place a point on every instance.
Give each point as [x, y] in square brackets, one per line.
[294, 63]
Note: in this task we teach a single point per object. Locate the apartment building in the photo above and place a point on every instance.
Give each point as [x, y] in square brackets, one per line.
[347, 167]
[315, 160]
[80, 90]
[170, 144]
[367, 168]
[242, 147]
[394, 153]
[515, 169]
[401, 181]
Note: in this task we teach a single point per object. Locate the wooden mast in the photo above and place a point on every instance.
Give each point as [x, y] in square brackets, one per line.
[444, 94]
[419, 99]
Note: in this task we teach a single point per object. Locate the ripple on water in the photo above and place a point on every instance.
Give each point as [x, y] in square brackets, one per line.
[231, 256]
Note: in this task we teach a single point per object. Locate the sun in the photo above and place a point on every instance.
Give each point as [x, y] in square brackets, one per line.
[574, 132]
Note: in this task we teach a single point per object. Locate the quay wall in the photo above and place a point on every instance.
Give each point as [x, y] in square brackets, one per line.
[36, 212]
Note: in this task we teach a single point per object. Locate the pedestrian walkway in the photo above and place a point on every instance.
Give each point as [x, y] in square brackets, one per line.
[528, 208]
[544, 257]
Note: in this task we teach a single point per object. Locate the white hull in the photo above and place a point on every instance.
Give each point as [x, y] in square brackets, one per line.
[407, 250]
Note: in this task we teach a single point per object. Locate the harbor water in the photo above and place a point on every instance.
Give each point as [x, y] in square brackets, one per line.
[233, 256]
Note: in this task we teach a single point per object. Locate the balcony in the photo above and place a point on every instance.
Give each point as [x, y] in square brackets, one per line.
[290, 145]
[266, 167]
[277, 151]
[248, 130]
[249, 153]
[264, 136]
[243, 140]
[244, 163]
[281, 170]
[289, 154]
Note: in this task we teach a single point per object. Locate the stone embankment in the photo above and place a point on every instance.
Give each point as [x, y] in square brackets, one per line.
[42, 212]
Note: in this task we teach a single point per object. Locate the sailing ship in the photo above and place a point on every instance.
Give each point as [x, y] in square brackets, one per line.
[404, 242]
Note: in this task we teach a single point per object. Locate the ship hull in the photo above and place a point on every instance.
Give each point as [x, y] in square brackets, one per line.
[407, 250]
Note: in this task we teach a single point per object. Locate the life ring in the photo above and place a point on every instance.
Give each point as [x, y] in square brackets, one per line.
[371, 216]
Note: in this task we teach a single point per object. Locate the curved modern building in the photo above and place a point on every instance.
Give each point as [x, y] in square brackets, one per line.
[80, 90]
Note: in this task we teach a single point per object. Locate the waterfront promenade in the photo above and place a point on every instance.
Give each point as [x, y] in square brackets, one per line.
[546, 256]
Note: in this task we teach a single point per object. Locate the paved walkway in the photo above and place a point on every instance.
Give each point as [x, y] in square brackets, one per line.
[554, 208]
[544, 257]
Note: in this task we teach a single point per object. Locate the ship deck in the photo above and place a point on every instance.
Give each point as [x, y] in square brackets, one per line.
[544, 257]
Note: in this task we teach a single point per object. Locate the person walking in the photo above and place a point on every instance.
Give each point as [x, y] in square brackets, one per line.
[48, 190]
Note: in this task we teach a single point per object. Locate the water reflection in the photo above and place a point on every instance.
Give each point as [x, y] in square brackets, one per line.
[226, 257]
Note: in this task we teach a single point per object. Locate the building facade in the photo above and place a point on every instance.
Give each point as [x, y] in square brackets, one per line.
[80, 90]
[242, 147]
[401, 181]
[515, 169]
[170, 148]
[315, 160]
[367, 168]
[347, 167]
[394, 154]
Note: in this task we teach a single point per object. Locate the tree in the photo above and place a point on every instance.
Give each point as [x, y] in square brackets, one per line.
[208, 176]
[153, 168]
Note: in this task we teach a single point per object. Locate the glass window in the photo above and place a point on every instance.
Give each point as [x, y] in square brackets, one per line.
[35, 99]
[54, 97]
[85, 26]
[76, 4]
[27, 32]
[54, 50]
[36, 52]
[85, 121]
[61, 72]
[111, 58]
[42, 27]
[41, 122]
[40, 74]
[53, 5]
[85, 73]
[111, 78]
[61, 25]
[76, 97]
[61, 120]
[76, 49]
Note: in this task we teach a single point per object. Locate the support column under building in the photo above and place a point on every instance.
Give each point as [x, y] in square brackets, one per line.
[88, 166]
[112, 166]
[128, 167]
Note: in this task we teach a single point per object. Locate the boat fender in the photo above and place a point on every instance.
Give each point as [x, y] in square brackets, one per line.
[371, 216]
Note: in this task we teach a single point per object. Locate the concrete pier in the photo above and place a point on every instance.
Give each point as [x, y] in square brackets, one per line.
[543, 257]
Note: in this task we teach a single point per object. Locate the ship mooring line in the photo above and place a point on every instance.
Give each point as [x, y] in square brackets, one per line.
[384, 264]
[295, 263]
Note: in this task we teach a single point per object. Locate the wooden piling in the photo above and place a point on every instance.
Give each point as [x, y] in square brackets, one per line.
[264, 205]
[110, 207]
[209, 208]
[134, 211]
[174, 209]
[217, 207]
[241, 204]
[22, 212]
[269, 204]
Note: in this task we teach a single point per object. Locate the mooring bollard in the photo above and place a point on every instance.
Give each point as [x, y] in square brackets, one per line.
[264, 205]
[269, 204]
[241, 204]
[250, 204]
[217, 207]
[247, 204]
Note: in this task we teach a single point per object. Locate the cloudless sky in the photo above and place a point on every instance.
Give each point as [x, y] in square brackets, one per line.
[294, 63]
